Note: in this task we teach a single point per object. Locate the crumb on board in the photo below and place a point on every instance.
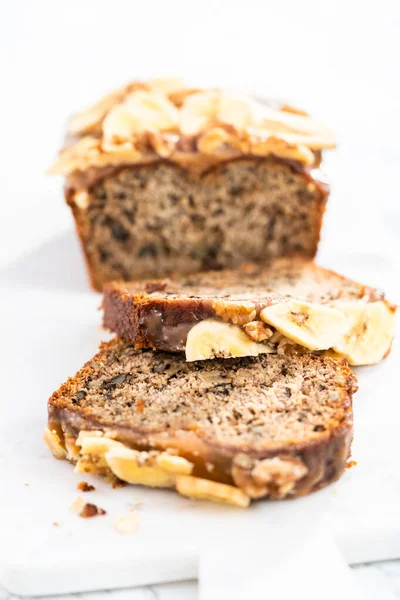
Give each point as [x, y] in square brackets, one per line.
[56, 524]
[91, 510]
[351, 463]
[78, 504]
[84, 486]
[117, 483]
[26, 484]
[127, 524]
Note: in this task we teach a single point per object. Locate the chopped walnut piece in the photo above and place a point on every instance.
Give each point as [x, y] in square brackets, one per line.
[274, 477]
[84, 486]
[258, 331]
[91, 510]
[351, 463]
[279, 474]
[235, 312]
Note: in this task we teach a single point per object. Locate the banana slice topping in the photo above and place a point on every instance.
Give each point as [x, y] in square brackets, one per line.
[370, 331]
[204, 489]
[214, 339]
[314, 326]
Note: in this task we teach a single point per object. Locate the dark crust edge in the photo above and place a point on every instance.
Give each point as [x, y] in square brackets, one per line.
[81, 222]
[325, 457]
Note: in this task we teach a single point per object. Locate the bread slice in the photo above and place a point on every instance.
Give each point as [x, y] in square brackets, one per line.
[164, 179]
[288, 305]
[228, 430]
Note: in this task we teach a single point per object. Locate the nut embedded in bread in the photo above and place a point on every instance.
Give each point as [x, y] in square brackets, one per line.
[162, 179]
[287, 305]
[224, 430]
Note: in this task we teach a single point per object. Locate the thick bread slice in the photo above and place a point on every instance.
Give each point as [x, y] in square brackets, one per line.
[227, 430]
[287, 305]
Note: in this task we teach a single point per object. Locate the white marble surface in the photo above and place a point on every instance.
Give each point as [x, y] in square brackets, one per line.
[377, 580]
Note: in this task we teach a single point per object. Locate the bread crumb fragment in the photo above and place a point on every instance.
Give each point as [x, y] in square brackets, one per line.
[84, 486]
[127, 524]
[91, 510]
[78, 504]
[351, 463]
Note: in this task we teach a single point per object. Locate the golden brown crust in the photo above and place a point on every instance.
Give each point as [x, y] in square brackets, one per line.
[322, 452]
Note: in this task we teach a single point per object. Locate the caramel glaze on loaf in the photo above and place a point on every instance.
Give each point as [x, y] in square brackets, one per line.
[160, 313]
[220, 415]
[148, 221]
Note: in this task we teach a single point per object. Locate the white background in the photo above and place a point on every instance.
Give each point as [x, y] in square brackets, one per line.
[338, 59]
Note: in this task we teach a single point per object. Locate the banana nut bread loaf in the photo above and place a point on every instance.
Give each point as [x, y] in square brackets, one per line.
[224, 430]
[163, 179]
[287, 305]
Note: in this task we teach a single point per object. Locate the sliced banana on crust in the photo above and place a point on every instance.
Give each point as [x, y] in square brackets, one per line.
[128, 465]
[314, 326]
[141, 111]
[174, 464]
[215, 339]
[53, 442]
[370, 331]
[204, 489]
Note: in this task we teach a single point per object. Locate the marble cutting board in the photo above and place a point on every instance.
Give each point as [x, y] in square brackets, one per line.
[50, 327]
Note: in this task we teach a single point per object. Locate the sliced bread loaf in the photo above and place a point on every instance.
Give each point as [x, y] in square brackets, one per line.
[285, 306]
[228, 430]
[162, 178]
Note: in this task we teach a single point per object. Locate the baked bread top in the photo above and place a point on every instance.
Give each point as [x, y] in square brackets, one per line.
[287, 305]
[162, 119]
[217, 414]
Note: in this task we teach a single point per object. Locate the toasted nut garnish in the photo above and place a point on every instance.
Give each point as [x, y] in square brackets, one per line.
[136, 467]
[275, 477]
[53, 442]
[258, 331]
[279, 470]
[204, 489]
[127, 524]
[217, 140]
[163, 143]
[235, 312]
[174, 464]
